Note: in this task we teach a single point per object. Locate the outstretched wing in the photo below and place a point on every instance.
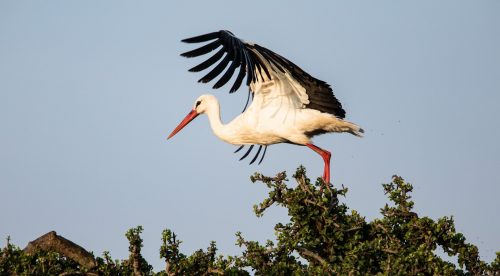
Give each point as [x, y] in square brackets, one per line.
[256, 63]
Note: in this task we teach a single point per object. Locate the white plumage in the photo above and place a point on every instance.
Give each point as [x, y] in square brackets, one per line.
[288, 105]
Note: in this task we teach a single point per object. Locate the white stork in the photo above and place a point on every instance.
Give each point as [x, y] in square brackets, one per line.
[288, 105]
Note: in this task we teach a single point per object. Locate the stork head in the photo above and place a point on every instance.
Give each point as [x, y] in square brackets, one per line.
[201, 105]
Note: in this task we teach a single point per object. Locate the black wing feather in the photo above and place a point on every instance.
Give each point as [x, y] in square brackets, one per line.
[230, 71]
[248, 100]
[248, 152]
[320, 94]
[240, 77]
[209, 62]
[256, 155]
[242, 146]
[237, 52]
[263, 154]
[216, 71]
[202, 50]
[202, 38]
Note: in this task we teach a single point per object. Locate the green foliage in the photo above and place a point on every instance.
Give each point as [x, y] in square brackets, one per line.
[333, 239]
[322, 237]
[199, 263]
[136, 262]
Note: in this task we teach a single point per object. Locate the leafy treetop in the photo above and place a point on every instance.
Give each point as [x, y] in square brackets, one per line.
[322, 237]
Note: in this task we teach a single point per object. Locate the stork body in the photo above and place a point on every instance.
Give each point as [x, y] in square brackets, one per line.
[271, 124]
[288, 105]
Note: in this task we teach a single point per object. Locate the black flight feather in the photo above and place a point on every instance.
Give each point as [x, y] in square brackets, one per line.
[263, 154]
[202, 38]
[242, 146]
[209, 62]
[246, 154]
[251, 60]
[202, 50]
[256, 155]
[216, 71]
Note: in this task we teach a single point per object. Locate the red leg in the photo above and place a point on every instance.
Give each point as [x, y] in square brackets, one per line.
[326, 158]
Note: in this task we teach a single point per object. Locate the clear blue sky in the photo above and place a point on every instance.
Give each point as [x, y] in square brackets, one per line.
[89, 91]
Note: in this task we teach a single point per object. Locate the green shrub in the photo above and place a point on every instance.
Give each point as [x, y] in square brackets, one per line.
[322, 237]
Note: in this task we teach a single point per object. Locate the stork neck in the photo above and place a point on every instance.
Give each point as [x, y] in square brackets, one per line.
[213, 114]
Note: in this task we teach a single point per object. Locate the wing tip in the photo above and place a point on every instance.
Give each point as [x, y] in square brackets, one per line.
[202, 38]
[230, 46]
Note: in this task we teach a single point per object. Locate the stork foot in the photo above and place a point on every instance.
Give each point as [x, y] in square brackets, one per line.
[326, 179]
[326, 173]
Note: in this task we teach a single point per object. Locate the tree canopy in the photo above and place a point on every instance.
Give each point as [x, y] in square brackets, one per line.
[323, 236]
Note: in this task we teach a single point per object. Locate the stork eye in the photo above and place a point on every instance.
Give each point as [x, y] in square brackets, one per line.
[198, 103]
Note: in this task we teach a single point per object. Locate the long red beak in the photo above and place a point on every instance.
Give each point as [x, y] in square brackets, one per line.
[191, 115]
